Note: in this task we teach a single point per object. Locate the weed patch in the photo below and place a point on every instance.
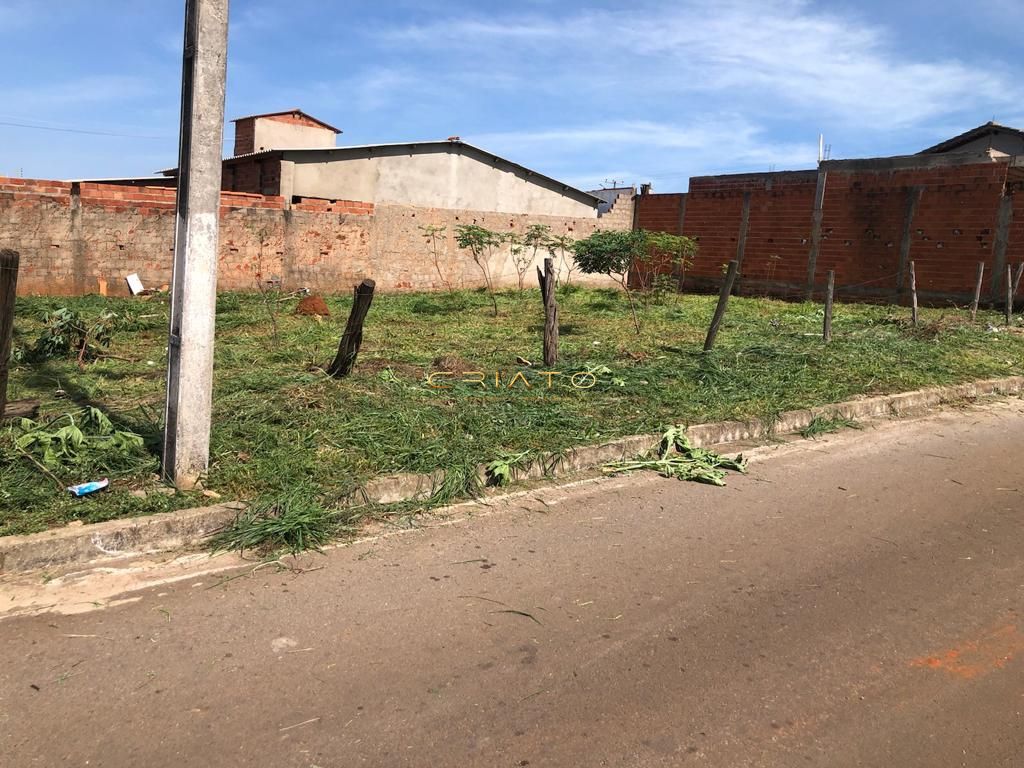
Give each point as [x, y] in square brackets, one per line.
[823, 425]
[280, 423]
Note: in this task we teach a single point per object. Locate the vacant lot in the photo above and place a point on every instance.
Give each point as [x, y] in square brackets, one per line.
[282, 426]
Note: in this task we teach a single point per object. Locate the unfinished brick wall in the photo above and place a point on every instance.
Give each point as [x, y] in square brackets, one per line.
[954, 227]
[876, 218]
[398, 242]
[253, 175]
[84, 238]
[660, 212]
[620, 215]
[245, 136]
[944, 219]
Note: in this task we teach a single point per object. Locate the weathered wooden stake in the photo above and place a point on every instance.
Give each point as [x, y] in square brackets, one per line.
[8, 288]
[547, 292]
[352, 339]
[977, 291]
[723, 301]
[829, 294]
[913, 295]
[1009, 294]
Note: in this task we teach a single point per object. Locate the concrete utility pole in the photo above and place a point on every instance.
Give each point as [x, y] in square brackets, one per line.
[186, 447]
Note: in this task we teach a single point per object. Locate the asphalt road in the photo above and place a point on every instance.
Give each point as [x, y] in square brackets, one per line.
[853, 601]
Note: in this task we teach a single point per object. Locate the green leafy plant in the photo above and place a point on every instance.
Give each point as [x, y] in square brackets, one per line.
[677, 458]
[499, 471]
[483, 245]
[613, 253]
[561, 246]
[521, 257]
[665, 249]
[68, 333]
[632, 255]
[85, 437]
[535, 238]
[433, 235]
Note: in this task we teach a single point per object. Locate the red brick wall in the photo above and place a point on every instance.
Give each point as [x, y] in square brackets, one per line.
[864, 214]
[339, 206]
[778, 233]
[861, 230]
[954, 228]
[245, 136]
[659, 213]
[1015, 246]
[74, 239]
[254, 175]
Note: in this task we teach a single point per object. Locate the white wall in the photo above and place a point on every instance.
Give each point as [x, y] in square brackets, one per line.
[434, 177]
[277, 134]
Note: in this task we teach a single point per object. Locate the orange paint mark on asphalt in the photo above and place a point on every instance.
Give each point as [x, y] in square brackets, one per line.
[977, 658]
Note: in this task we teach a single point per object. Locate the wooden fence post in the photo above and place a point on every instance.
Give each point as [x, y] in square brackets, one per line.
[1009, 294]
[8, 288]
[352, 339]
[829, 294]
[723, 301]
[913, 294]
[547, 292]
[977, 291]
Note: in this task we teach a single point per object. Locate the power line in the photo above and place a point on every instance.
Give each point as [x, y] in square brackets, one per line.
[82, 130]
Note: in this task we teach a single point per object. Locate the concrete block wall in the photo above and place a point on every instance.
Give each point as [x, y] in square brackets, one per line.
[620, 215]
[85, 238]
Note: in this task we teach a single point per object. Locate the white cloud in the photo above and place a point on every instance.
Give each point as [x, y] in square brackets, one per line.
[772, 53]
[644, 150]
[60, 95]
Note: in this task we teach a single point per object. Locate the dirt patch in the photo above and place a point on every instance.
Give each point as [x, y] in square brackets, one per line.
[451, 364]
[313, 305]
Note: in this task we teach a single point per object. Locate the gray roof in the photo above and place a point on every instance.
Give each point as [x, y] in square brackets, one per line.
[988, 129]
[434, 145]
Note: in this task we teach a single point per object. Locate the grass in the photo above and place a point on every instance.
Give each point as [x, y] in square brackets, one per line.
[280, 424]
[292, 521]
[823, 425]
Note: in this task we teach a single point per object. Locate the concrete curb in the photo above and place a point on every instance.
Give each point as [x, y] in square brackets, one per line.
[409, 487]
[173, 530]
[114, 538]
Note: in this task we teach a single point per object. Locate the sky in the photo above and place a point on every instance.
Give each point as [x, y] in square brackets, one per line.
[588, 92]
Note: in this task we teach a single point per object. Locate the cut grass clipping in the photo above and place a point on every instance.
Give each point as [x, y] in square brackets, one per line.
[823, 425]
[293, 521]
[677, 458]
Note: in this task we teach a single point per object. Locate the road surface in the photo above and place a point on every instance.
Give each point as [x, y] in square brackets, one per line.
[853, 601]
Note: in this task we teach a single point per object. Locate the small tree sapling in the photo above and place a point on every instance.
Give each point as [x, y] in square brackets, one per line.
[433, 234]
[482, 245]
[613, 253]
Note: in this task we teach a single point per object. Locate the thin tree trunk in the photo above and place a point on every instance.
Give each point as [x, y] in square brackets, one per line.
[547, 292]
[723, 302]
[352, 339]
[9, 261]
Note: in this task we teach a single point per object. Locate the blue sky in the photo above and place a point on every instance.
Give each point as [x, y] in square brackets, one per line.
[644, 90]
